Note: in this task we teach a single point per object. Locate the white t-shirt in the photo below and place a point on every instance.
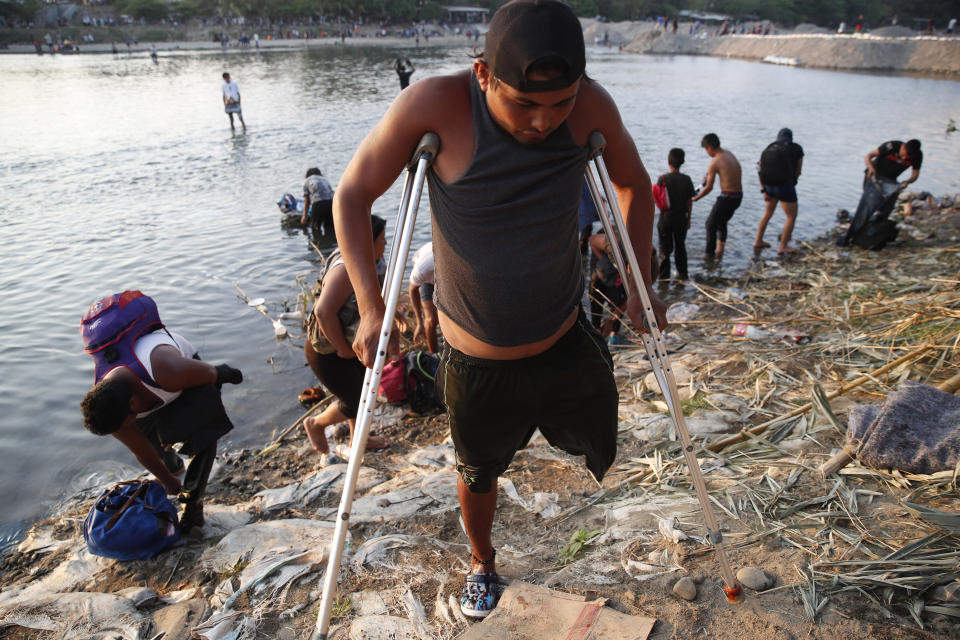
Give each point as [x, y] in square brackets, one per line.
[144, 346]
[422, 270]
[231, 91]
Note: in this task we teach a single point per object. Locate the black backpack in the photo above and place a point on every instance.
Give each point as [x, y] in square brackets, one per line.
[876, 234]
[776, 165]
[420, 382]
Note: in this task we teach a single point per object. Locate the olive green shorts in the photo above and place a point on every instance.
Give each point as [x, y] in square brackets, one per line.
[494, 406]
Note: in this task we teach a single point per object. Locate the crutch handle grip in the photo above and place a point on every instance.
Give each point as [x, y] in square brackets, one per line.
[597, 144]
[429, 144]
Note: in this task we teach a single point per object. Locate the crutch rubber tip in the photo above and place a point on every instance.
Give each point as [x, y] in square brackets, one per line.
[734, 593]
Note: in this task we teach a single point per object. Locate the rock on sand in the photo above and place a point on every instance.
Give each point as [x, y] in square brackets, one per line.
[685, 588]
[754, 578]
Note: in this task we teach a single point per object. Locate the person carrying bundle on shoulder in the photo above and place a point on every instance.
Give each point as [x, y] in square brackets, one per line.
[504, 191]
[404, 69]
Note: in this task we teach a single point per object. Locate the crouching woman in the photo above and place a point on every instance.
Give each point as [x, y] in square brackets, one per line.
[331, 327]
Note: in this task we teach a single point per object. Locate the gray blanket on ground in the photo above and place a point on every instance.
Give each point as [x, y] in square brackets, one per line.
[916, 429]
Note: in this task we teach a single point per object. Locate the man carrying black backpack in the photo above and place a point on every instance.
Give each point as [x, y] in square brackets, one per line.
[779, 167]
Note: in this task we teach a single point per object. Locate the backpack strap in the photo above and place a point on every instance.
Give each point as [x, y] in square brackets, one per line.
[136, 494]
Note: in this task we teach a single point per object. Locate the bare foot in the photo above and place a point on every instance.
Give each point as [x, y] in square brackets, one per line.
[761, 245]
[318, 440]
[785, 250]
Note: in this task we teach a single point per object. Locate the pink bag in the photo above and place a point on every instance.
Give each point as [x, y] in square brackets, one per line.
[392, 381]
[660, 197]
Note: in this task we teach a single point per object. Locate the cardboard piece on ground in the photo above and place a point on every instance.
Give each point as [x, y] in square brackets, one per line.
[529, 612]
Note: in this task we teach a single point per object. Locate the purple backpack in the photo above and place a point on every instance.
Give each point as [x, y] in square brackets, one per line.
[112, 325]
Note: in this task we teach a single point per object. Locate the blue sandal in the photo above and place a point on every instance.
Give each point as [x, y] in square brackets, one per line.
[481, 593]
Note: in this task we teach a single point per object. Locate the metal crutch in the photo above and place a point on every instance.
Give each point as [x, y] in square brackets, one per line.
[406, 217]
[619, 241]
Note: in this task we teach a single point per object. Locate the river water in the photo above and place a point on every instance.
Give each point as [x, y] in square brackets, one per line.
[119, 173]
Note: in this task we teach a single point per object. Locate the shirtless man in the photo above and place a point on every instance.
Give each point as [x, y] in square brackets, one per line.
[504, 193]
[726, 165]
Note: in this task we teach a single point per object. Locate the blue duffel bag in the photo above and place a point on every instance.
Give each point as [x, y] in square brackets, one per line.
[131, 521]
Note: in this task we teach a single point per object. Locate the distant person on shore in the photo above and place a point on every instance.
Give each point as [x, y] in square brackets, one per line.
[675, 220]
[153, 54]
[404, 69]
[49, 40]
[723, 164]
[842, 28]
[880, 183]
[951, 26]
[256, 41]
[231, 101]
[504, 191]
[113, 48]
[779, 168]
[163, 395]
[318, 204]
[422, 281]
[331, 327]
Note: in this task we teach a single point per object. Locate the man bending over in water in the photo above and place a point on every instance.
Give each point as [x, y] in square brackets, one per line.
[504, 193]
[724, 164]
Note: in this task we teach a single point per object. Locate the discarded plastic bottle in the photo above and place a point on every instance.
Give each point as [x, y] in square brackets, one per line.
[749, 331]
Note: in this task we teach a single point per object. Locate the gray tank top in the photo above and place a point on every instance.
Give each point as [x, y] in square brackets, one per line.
[505, 238]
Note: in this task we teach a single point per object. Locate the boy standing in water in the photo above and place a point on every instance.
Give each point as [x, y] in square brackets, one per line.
[724, 164]
[675, 220]
[231, 101]
[504, 193]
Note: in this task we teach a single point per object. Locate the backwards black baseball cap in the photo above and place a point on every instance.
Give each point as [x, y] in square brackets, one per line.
[525, 32]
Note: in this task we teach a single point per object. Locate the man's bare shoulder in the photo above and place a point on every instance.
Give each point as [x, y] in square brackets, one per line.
[593, 110]
[437, 93]
[439, 103]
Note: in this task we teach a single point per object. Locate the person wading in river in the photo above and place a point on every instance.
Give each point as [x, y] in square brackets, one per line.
[504, 192]
[723, 164]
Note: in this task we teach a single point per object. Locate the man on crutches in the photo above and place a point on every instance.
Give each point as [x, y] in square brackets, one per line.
[504, 192]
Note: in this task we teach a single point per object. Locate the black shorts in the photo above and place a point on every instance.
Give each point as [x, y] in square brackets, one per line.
[494, 406]
[196, 418]
[343, 377]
